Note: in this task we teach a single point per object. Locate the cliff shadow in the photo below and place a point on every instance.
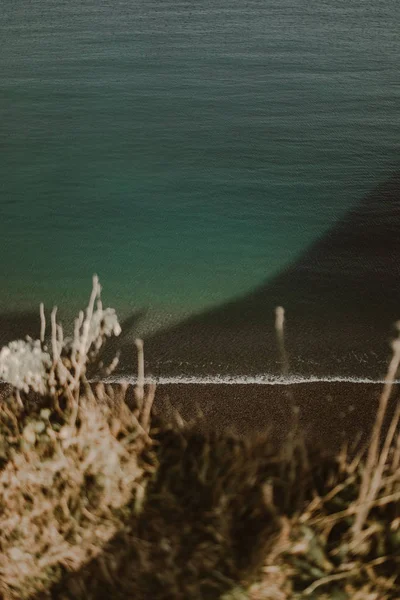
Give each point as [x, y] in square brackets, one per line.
[341, 297]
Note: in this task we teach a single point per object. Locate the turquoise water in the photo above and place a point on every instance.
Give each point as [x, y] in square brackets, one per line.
[185, 152]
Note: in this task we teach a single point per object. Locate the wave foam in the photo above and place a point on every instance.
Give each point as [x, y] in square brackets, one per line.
[245, 380]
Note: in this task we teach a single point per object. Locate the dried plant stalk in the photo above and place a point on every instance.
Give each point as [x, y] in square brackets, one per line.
[371, 481]
[139, 389]
[42, 322]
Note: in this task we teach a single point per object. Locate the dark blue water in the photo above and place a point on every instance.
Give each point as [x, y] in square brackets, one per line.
[185, 152]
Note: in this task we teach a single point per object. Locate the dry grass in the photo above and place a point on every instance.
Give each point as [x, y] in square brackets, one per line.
[71, 459]
[344, 543]
[62, 492]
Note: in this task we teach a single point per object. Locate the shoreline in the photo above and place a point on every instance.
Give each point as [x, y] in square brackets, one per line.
[268, 380]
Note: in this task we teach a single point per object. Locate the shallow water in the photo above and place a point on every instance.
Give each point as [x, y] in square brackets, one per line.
[185, 153]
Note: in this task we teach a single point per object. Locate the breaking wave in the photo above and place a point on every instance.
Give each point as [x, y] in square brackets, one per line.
[244, 380]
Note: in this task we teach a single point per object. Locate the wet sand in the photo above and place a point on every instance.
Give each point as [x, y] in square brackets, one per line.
[329, 413]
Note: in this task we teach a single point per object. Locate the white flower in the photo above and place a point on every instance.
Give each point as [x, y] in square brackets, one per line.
[25, 365]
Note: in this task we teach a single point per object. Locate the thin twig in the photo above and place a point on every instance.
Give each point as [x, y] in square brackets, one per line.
[324, 580]
[42, 322]
[396, 456]
[112, 366]
[54, 341]
[146, 411]
[139, 389]
[377, 478]
[354, 508]
[280, 337]
[60, 335]
[83, 349]
[372, 458]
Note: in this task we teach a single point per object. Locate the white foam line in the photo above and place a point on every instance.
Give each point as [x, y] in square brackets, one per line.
[245, 380]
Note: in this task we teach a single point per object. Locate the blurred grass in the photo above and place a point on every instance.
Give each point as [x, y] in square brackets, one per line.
[99, 499]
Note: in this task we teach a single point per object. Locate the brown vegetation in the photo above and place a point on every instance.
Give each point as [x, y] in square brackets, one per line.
[98, 500]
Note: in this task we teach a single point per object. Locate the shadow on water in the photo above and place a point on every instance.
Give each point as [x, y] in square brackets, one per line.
[341, 297]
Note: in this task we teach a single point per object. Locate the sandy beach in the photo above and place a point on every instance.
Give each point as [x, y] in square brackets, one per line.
[330, 413]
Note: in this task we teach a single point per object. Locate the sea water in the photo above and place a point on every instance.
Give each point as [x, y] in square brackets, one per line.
[186, 152]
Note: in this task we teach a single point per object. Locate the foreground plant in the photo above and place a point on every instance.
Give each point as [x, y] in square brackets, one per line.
[344, 544]
[70, 456]
[92, 507]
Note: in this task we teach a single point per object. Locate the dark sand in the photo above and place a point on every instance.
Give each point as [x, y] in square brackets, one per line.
[330, 413]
